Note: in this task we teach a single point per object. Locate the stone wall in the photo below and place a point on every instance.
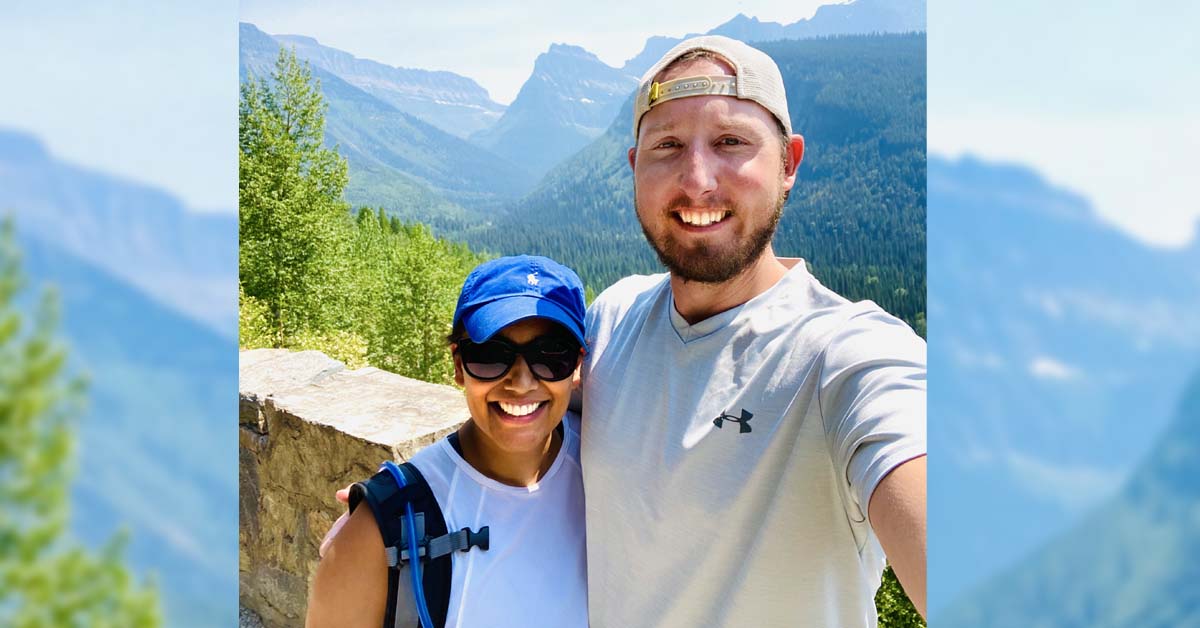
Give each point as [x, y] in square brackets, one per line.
[308, 426]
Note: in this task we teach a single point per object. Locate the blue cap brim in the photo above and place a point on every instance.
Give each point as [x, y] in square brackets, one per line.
[485, 321]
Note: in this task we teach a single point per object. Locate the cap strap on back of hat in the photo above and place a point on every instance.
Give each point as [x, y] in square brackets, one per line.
[691, 86]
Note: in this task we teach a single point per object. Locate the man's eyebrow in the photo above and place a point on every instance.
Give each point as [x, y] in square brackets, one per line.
[734, 125]
[659, 127]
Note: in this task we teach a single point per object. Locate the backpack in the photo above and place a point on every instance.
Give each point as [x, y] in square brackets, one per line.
[395, 494]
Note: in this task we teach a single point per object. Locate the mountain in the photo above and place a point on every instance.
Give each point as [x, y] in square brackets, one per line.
[856, 212]
[568, 101]
[853, 18]
[402, 130]
[156, 447]
[395, 159]
[451, 102]
[572, 96]
[138, 233]
[1130, 562]
[1058, 347]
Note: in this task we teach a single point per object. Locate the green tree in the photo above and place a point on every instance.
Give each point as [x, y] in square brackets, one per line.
[46, 579]
[895, 609]
[293, 221]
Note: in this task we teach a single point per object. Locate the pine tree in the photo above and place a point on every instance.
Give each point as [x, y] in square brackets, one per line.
[46, 579]
[292, 219]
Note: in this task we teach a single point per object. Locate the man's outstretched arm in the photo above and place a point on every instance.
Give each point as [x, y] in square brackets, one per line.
[897, 512]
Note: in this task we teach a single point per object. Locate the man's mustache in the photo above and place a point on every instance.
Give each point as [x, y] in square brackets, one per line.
[714, 204]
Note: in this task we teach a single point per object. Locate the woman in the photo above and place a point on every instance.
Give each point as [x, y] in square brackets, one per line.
[517, 344]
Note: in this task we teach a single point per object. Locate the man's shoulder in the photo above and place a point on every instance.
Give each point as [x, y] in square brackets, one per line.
[801, 304]
[621, 295]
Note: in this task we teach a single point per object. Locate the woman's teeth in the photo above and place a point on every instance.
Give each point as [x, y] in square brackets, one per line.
[519, 409]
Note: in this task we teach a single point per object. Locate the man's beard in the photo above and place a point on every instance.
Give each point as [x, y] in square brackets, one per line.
[707, 264]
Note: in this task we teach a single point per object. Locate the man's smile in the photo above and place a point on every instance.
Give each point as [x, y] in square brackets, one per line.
[702, 218]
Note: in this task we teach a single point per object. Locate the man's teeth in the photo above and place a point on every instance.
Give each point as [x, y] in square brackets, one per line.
[702, 219]
[519, 409]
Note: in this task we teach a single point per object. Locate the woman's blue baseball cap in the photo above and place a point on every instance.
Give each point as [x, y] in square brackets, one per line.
[503, 291]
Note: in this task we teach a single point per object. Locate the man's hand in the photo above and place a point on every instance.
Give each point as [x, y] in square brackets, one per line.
[897, 513]
[344, 497]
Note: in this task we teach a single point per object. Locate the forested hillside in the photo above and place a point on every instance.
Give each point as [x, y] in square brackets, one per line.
[1130, 562]
[411, 166]
[857, 212]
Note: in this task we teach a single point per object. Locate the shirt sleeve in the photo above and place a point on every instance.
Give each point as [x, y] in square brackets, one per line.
[872, 398]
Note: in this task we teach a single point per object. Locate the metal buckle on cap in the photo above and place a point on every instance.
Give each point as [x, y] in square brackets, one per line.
[692, 86]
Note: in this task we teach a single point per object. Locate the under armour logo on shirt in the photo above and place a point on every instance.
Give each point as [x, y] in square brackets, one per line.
[532, 279]
[742, 421]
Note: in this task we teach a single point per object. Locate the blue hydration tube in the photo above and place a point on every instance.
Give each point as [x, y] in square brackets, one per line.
[413, 559]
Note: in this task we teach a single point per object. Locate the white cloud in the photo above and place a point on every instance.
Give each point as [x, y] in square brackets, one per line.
[968, 357]
[1075, 487]
[1046, 367]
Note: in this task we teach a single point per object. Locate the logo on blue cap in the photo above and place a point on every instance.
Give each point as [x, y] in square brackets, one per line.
[503, 291]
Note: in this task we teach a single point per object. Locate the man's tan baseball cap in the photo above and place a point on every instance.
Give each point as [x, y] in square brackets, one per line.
[757, 78]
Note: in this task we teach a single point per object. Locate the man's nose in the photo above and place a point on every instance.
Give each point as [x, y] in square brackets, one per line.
[699, 172]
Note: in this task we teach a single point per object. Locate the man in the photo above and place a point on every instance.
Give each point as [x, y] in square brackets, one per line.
[750, 439]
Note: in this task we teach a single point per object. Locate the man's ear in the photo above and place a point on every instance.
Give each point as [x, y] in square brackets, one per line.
[795, 154]
[458, 367]
[632, 156]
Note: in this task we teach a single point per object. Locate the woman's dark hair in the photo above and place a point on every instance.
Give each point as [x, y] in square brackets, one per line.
[457, 334]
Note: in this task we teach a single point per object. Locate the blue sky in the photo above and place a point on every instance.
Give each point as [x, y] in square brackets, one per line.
[1099, 97]
[149, 90]
[496, 43]
[145, 90]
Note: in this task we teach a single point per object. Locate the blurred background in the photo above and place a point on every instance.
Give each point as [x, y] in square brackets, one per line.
[118, 177]
[1064, 345]
[1063, 284]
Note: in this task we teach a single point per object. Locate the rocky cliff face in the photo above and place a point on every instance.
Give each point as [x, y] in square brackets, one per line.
[307, 427]
[448, 101]
[569, 100]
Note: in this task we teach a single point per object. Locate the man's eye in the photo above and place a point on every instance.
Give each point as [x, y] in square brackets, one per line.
[667, 144]
[730, 141]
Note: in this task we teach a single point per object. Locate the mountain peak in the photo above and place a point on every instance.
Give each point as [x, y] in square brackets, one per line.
[741, 18]
[22, 146]
[570, 50]
[568, 60]
[299, 39]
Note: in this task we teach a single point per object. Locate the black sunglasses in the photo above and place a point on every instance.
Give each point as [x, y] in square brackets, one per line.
[549, 358]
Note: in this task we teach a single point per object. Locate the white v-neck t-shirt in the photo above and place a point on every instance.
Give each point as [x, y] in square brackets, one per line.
[534, 574]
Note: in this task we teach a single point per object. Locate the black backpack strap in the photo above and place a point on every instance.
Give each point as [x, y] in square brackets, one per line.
[386, 500]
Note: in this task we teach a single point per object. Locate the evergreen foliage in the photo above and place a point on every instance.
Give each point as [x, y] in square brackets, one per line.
[856, 213]
[46, 579]
[364, 288]
[292, 217]
[893, 606]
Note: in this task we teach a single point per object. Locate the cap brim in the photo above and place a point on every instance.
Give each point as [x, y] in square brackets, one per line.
[486, 320]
